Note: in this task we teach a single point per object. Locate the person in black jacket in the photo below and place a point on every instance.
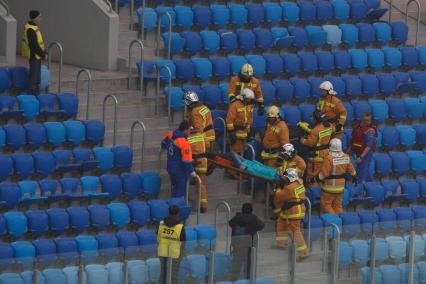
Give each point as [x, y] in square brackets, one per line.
[244, 226]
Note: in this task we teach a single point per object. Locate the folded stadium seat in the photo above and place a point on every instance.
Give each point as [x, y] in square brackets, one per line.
[309, 61]
[151, 183]
[246, 40]
[66, 249]
[239, 14]
[158, 209]
[341, 10]
[273, 13]
[258, 64]
[24, 252]
[376, 192]
[419, 78]
[19, 77]
[44, 163]
[28, 192]
[383, 164]
[383, 32]
[148, 242]
[184, 69]
[420, 134]
[96, 274]
[237, 61]
[349, 34]
[224, 91]
[314, 194]
[274, 65]
[217, 124]
[222, 264]
[48, 105]
[55, 133]
[256, 14]
[390, 137]
[211, 41]
[63, 161]
[4, 80]
[184, 17]
[54, 275]
[221, 15]
[397, 249]
[370, 84]
[177, 43]
[387, 220]
[75, 132]
[409, 57]
[228, 40]
[163, 73]
[280, 37]
[23, 164]
[206, 235]
[202, 16]
[407, 135]
[405, 216]
[353, 85]
[284, 90]
[88, 248]
[177, 94]
[376, 58]
[389, 274]
[115, 269]
[264, 40]
[342, 60]
[369, 222]
[291, 12]
[399, 32]
[221, 67]
[387, 84]
[315, 82]
[123, 157]
[68, 102]
[139, 212]
[107, 244]
[316, 35]
[154, 269]
[148, 70]
[193, 42]
[45, 79]
[85, 158]
[380, 110]
[338, 84]
[360, 250]
[58, 220]
[316, 227]
[132, 186]
[393, 57]
[212, 95]
[301, 89]
[415, 108]
[149, 17]
[9, 107]
[137, 271]
[350, 224]
[191, 240]
[359, 59]
[16, 223]
[292, 64]
[161, 10]
[49, 189]
[421, 52]
[358, 10]
[128, 241]
[334, 34]
[292, 115]
[3, 136]
[70, 188]
[301, 39]
[89, 187]
[360, 107]
[105, 158]
[38, 222]
[410, 187]
[307, 11]
[6, 254]
[112, 185]
[45, 251]
[9, 194]
[197, 264]
[417, 161]
[404, 267]
[268, 91]
[350, 114]
[29, 106]
[366, 33]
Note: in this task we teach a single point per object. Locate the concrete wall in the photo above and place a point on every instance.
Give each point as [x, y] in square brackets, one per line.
[87, 30]
[7, 37]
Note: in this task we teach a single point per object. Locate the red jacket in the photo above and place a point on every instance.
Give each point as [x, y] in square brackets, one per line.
[362, 137]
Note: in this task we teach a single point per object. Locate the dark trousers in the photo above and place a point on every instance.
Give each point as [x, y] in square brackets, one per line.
[179, 182]
[175, 270]
[240, 258]
[34, 77]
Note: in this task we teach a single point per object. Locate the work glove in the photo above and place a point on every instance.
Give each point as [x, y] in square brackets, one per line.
[232, 138]
[304, 126]
[339, 127]
[261, 110]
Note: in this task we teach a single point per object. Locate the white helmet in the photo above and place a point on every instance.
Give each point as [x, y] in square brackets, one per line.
[287, 152]
[246, 71]
[335, 145]
[190, 98]
[327, 86]
[247, 94]
[289, 174]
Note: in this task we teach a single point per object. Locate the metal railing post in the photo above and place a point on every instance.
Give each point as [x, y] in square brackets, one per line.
[129, 71]
[126, 271]
[199, 197]
[169, 270]
[114, 138]
[6, 7]
[224, 132]
[89, 81]
[256, 245]
[267, 198]
[169, 93]
[253, 253]
[210, 279]
[132, 132]
[81, 279]
[373, 245]
[228, 217]
[240, 183]
[291, 261]
[160, 151]
[169, 37]
[61, 58]
[308, 234]
[131, 13]
[418, 17]
[411, 258]
[390, 10]
[335, 254]
[143, 20]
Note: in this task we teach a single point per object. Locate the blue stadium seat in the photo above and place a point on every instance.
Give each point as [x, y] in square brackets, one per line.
[112, 185]
[291, 12]
[393, 57]
[151, 183]
[301, 89]
[75, 131]
[23, 164]
[38, 222]
[6, 254]
[105, 157]
[421, 52]
[161, 10]
[79, 218]
[99, 216]
[29, 105]
[420, 79]
[268, 91]
[350, 224]
[3, 137]
[19, 77]
[132, 186]
[342, 60]
[338, 84]
[309, 61]
[221, 15]
[87, 246]
[128, 241]
[48, 188]
[292, 64]
[387, 84]
[292, 115]
[197, 264]
[184, 17]
[58, 220]
[409, 57]
[237, 62]
[48, 105]
[27, 192]
[383, 32]
[147, 242]
[9, 194]
[405, 216]
[383, 164]
[376, 58]
[184, 69]
[387, 220]
[228, 40]
[44, 163]
[280, 37]
[366, 33]
[273, 13]
[307, 11]
[259, 122]
[63, 161]
[407, 135]
[349, 34]
[419, 218]
[390, 137]
[334, 34]
[224, 91]
[264, 39]
[399, 32]
[359, 59]
[206, 234]
[274, 65]
[138, 271]
[24, 252]
[221, 67]
[15, 135]
[55, 133]
[358, 9]
[107, 244]
[415, 109]
[120, 214]
[5, 80]
[410, 187]
[380, 109]
[301, 37]
[284, 90]
[211, 41]
[202, 16]
[258, 64]
[9, 107]
[54, 275]
[255, 14]
[123, 157]
[69, 188]
[316, 35]
[246, 40]
[66, 248]
[150, 18]
[345, 254]
[369, 221]
[417, 161]
[315, 82]
[375, 191]
[45, 251]
[68, 102]
[353, 85]
[176, 94]
[306, 111]
[139, 212]
[420, 133]
[361, 251]
[163, 72]
[203, 68]
[370, 84]
[95, 131]
[16, 223]
[390, 274]
[325, 61]
[159, 210]
[193, 43]
[324, 11]
[239, 14]
[341, 9]
[397, 248]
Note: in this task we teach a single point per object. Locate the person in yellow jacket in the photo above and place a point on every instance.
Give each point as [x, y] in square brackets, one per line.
[332, 178]
[34, 50]
[170, 235]
[289, 209]
[198, 143]
[276, 135]
[200, 118]
[289, 159]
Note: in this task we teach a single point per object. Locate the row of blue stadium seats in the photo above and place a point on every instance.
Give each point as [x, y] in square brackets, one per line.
[96, 217]
[86, 187]
[51, 133]
[289, 64]
[256, 14]
[264, 39]
[395, 274]
[17, 77]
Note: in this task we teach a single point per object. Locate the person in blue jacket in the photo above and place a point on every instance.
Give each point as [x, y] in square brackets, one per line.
[179, 158]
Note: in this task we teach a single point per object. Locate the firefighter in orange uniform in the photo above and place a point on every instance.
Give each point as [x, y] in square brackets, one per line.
[332, 178]
[289, 159]
[246, 80]
[276, 135]
[290, 210]
[317, 140]
[200, 118]
[332, 107]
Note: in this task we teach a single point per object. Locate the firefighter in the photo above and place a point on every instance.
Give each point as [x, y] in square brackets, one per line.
[290, 210]
[198, 143]
[246, 80]
[289, 159]
[332, 178]
[276, 135]
[332, 107]
[179, 158]
[362, 145]
[316, 140]
[200, 117]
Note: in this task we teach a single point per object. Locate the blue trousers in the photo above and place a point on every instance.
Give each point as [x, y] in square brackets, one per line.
[179, 182]
[34, 77]
[363, 169]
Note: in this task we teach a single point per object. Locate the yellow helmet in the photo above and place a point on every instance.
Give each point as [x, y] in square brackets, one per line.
[246, 71]
[273, 112]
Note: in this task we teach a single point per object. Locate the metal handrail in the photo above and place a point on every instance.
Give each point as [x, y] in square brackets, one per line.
[210, 277]
[224, 132]
[169, 93]
[131, 12]
[373, 244]
[116, 6]
[129, 73]
[240, 183]
[291, 261]
[89, 80]
[132, 132]
[228, 218]
[110, 6]
[143, 20]
[257, 243]
[114, 138]
[418, 17]
[335, 259]
[160, 151]
[126, 270]
[157, 40]
[411, 258]
[390, 10]
[61, 58]
[6, 7]
[199, 198]
[308, 235]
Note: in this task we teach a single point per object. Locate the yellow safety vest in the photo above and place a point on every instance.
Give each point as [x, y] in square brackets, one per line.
[25, 48]
[169, 240]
